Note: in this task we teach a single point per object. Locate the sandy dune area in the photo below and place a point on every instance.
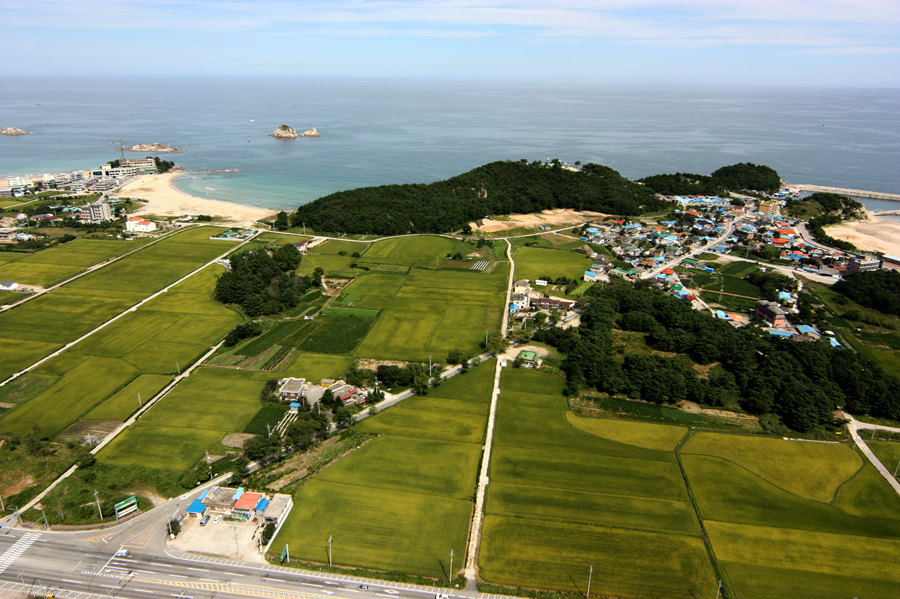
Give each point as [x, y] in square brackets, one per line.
[164, 200]
[552, 218]
[875, 234]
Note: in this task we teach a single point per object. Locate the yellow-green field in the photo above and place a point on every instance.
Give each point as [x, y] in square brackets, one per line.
[429, 312]
[191, 419]
[409, 489]
[567, 493]
[537, 263]
[783, 516]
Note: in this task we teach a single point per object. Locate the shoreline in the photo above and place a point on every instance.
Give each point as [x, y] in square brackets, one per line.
[164, 199]
[873, 234]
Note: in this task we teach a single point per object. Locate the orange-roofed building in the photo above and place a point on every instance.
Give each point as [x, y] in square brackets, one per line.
[780, 241]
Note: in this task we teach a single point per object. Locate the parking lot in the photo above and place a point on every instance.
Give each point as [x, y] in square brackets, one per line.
[226, 538]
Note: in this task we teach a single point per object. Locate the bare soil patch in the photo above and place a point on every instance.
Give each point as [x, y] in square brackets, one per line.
[97, 428]
[695, 408]
[546, 217]
[236, 439]
[367, 364]
[21, 482]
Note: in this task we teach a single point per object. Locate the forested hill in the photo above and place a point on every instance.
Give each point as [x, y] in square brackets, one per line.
[495, 188]
[737, 177]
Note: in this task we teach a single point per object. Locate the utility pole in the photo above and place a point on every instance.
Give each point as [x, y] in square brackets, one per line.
[451, 566]
[178, 368]
[139, 400]
[719, 590]
[99, 509]
[268, 430]
[896, 469]
[429, 364]
[329, 550]
[590, 576]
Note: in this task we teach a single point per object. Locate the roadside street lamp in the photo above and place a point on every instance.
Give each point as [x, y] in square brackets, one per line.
[329, 550]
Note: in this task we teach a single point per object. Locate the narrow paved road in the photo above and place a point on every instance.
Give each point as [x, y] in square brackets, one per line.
[87, 271]
[854, 426]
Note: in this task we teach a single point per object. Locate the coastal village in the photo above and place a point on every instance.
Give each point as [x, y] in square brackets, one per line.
[372, 326]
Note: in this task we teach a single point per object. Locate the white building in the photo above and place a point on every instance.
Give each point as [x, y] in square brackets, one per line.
[96, 212]
[136, 224]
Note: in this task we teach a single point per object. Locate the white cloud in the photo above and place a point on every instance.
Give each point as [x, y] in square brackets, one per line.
[809, 24]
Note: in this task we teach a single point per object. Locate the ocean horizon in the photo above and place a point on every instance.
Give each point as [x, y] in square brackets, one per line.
[377, 132]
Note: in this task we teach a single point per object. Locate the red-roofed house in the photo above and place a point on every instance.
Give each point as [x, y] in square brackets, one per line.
[136, 224]
[779, 241]
[244, 506]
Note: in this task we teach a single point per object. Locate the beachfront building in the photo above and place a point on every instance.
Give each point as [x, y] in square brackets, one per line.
[136, 224]
[143, 166]
[96, 212]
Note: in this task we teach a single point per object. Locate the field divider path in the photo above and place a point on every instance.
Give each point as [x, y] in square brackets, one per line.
[127, 310]
[509, 288]
[88, 270]
[108, 438]
[853, 426]
[687, 485]
[471, 568]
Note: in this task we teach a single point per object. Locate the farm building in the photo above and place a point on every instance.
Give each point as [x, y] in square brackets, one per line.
[292, 388]
[772, 313]
[529, 358]
[8, 285]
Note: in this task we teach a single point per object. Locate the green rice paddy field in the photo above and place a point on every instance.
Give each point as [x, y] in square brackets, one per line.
[795, 519]
[67, 313]
[48, 267]
[536, 263]
[563, 499]
[137, 353]
[191, 419]
[409, 489]
[785, 518]
[429, 312]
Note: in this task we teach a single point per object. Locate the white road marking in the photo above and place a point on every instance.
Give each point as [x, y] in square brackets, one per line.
[143, 591]
[160, 565]
[198, 569]
[308, 584]
[71, 581]
[177, 576]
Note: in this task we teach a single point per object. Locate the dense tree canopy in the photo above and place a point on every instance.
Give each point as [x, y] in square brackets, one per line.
[800, 382]
[263, 283]
[879, 289]
[736, 177]
[495, 188]
[823, 203]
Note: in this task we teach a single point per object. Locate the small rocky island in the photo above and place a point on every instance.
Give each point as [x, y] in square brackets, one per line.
[285, 131]
[15, 131]
[154, 147]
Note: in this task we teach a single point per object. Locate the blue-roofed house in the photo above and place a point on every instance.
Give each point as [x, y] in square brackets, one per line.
[780, 333]
[808, 330]
[590, 276]
[196, 509]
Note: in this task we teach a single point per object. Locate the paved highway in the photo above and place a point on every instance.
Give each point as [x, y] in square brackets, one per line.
[81, 564]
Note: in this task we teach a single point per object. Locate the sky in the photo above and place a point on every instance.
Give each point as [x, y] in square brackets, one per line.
[804, 43]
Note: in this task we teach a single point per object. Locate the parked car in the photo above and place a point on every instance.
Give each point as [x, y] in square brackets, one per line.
[216, 521]
[204, 520]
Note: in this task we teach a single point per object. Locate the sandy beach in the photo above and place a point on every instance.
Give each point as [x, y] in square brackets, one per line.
[875, 234]
[164, 200]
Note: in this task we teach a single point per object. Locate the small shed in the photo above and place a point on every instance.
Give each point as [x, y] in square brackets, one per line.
[294, 407]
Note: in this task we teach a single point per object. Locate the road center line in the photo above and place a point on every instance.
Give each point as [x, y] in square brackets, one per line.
[198, 569]
[160, 565]
[71, 581]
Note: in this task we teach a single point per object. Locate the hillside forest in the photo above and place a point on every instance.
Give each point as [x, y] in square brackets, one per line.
[800, 383]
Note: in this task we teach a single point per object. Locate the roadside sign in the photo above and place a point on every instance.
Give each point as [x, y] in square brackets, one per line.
[126, 507]
[285, 556]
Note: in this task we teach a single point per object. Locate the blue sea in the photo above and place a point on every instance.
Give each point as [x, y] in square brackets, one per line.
[416, 131]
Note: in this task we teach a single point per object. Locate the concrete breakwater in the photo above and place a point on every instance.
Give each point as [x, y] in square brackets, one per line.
[875, 195]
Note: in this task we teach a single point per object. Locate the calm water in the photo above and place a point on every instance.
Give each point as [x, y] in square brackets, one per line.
[376, 132]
